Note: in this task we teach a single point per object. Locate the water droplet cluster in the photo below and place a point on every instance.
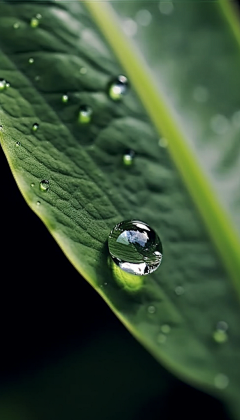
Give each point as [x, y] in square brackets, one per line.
[135, 247]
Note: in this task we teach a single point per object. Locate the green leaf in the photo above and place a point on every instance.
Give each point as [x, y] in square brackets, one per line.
[59, 64]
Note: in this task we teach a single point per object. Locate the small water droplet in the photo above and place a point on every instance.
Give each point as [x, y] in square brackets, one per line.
[16, 25]
[32, 184]
[219, 124]
[65, 99]
[165, 329]
[37, 78]
[163, 142]
[221, 381]
[129, 27]
[83, 70]
[220, 334]
[143, 17]
[128, 158]
[132, 245]
[7, 84]
[85, 114]
[179, 290]
[1, 128]
[34, 22]
[31, 60]
[18, 143]
[44, 185]
[161, 338]
[3, 84]
[118, 88]
[38, 203]
[166, 7]
[35, 127]
[200, 94]
[38, 16]
[151, 309]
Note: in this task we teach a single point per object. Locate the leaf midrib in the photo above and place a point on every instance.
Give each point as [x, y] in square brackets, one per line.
[213, 215]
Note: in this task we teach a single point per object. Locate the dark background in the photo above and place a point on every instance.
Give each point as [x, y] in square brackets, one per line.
[63, 354]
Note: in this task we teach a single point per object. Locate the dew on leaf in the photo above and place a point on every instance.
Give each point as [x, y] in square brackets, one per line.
[35, 21]
[3, 84]
[151, 309]
[220, 335]
[18, 143]
[38, 16]
[163, 142]
[65, 99]
[32, 184]
[83, 70]
[135, 247]
[37, 78]
[128, 157]
[38, 203]
[221, 381]
[85, 114]
[143, 17]
[44, 185]
[1, 128]
[166, 7]
[16, 25]
[165, 328]
[118, 87]
[35, 127]
[31, 60]
[179, 290]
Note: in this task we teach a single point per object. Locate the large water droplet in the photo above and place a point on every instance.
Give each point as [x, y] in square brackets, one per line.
[35, 127]
[44, 185]
[220, 334]
[135, 247]
[128, 158]
[118, 88]
[221, 381]
[85, 114]
[65, 99]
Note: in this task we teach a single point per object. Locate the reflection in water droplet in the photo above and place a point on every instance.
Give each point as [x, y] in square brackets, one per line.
[129, 27]
[219, 124]
[85, 114]
[35, 127]
[132, 245]
[143, 17]
[179, 290]
[221, 381]
[32, 184]
[236, 119]
[128, 158]
[118, 88]
[163, 142]
[31, 60]
[200, 94]
[65, 99]
[16, 25]
[44, 185]
[18, 143]
[83, 70]
[165, 329]
[151, 309]
[161, 338]
[166, 7]
[3, 84]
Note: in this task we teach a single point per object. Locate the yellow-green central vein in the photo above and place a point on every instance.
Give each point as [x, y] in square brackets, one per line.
[214, 216]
